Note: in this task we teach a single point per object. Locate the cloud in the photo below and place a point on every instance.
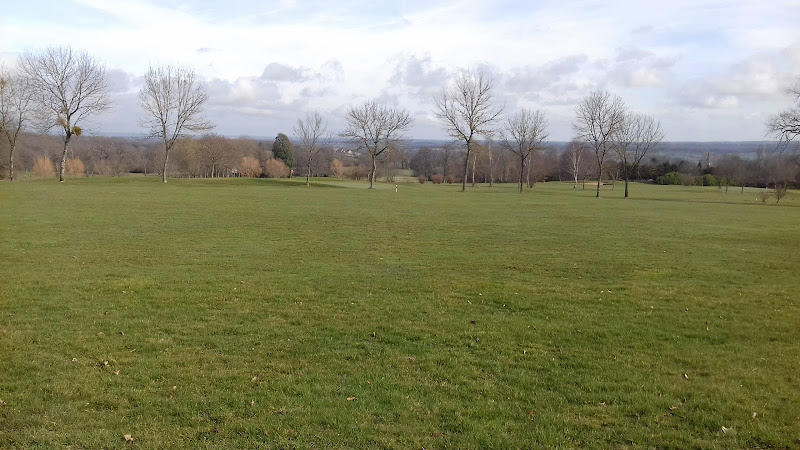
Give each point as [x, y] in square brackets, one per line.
[759, 78]
[418, 75]
[529, 80]
[281, 72]
[636, 67]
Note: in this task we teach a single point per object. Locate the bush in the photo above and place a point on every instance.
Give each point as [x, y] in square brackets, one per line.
[75, 167]
[249, 167]
[689, 180]
[44, 168]
[336, 168]
[103, 168]
[709, 180]
[671, 178]
[358, 172]
[437, 178]
[422, 179]
[275, 168]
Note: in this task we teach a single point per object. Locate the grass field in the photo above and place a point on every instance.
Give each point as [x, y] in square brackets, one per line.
[257, 313]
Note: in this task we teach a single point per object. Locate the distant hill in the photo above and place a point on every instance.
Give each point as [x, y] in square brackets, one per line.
[677, 150]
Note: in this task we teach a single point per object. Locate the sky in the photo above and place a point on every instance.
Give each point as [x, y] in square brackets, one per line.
[708, 70]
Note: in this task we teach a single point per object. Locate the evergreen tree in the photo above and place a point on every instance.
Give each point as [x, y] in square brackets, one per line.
[282, 150]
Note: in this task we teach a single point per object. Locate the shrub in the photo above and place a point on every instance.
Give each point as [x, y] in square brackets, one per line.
[422, 179]
[358, 172]
[688, 180]
[75, 167]
[336, 168]
[709, 180]
[275, 168]
[437, 178]
[44, 168]
[249, 167]
[103, 168]
[671, 178]
[780, 191]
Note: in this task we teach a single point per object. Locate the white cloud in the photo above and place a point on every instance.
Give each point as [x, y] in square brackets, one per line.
[267, 62]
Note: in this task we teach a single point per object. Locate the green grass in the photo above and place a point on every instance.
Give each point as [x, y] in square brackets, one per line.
[258, 313]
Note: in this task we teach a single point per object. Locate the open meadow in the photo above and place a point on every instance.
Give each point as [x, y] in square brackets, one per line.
[244, 313]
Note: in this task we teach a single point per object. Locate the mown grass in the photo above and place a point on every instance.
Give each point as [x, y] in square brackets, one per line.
[251, 313]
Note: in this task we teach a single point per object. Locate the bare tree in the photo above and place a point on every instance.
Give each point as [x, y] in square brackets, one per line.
[599, 117]
[575, 156]
[16, 102]
[447, 156]
[636, 137]
[312, 132]
[69, 86]
[375, 128]
[466, 109]
[172, 100]
[217, 154]
[524, 133]
[786, 124]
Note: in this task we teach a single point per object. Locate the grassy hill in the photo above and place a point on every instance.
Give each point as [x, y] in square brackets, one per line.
[246, 313]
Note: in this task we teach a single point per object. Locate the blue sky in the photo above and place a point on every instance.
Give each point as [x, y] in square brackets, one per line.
[708, 70]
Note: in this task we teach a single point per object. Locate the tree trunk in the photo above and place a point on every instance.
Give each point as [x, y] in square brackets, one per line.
[575, 185]
[599, 177]
[466, 170]
[166, 158]
[528, 174]
[11, 163]
[308, 174]
[521, 171]
[64, 157]
[372, 174]
[491, 168]
[626, 186]
[474, 161]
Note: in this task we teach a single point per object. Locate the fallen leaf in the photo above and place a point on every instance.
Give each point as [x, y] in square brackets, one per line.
[729, 431]
[128, 438]
[350, 399]
[254, 379]
[74, 359]
[116, 372]
[101, 334]
[754, 415]
[2, 403]
[673, 408]
[686, 376]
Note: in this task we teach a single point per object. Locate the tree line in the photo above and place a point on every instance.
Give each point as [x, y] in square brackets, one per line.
[60, 88]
